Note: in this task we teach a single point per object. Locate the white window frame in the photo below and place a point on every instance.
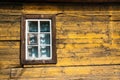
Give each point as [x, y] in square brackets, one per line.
[27, 31]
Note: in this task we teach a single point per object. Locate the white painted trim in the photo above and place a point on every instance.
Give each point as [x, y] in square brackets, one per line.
[27, 29]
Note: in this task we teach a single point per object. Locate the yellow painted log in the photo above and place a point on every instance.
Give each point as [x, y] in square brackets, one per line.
[42, 9]
[67, 54]
[85, 35]
[83, 72]
[9, 44]
[80, 41]
[10, 30]
[9, 54]
[10, 18]
[10, 8]
[4, 74]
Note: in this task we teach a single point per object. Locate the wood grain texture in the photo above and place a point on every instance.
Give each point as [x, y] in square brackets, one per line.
[9, 8]
[9, 29]
[66, 73]
[4, 74]
[66, 1]
[9, 54]
[87, 42]
[67, 54]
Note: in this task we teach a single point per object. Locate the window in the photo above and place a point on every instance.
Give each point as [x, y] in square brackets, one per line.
[38, 39]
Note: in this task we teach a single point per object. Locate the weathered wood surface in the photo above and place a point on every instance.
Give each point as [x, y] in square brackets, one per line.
[67, 54]
[87, 41]
[9, 30]
[4, 74]
[9, 54]
[68, 73]
[69, 8]
[66, 1]
[10, 14]
[66, 13]
[95, 26]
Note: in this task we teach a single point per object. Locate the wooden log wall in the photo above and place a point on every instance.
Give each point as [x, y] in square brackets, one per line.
[87, 41]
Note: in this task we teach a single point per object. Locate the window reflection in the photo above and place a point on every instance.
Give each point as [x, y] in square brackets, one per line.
[33, 51]
[38, 40]
[33, 26]
[32, 39]
[45, 51]
[45, 38]
[44, 26]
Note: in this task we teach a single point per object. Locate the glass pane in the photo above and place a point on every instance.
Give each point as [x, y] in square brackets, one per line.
[33, 26]
[44, 38]
[45, 51]
[32, 39]
[33, 51]
[44, 26]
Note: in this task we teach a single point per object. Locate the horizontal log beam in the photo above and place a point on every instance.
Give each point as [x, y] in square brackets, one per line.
[66, 73]
[93, 1]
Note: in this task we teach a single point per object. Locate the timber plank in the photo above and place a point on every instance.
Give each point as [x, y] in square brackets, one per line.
[42, 8]
[116, 29]
[78, 9]
[7, 51]
[94, 12]
[87, 61]
[8, 63]
[80, 41]
[91, 72]
[82, 27]
[67, 54]
[10, 18]
[115, 17]
[83, 18]
[66, 1]
[86, 35]
[91, 17]
[37, 79]
[10, 8]
[9, 54]
[4, 74]
[92, 9]
[12, 56]
[81, 36]
[82, 61]
[71, 78]
[10, 30]
[9, 44]
[72, 59]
